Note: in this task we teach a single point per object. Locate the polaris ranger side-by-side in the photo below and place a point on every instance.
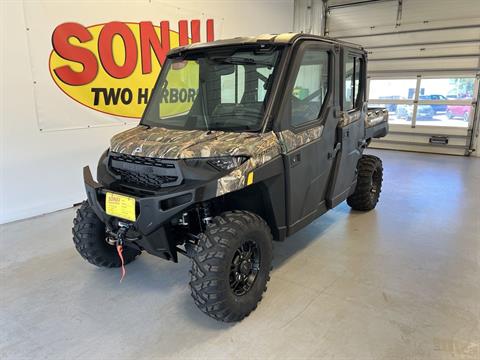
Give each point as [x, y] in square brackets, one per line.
[271, 137]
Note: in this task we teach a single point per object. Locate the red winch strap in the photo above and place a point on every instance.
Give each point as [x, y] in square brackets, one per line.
[120, 255]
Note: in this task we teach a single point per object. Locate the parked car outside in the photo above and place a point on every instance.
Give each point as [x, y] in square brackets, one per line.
[424, 112]
[436, 107]
[458, 111]
[392, 108]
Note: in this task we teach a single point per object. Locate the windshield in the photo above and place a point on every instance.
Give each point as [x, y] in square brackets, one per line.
[211, 91]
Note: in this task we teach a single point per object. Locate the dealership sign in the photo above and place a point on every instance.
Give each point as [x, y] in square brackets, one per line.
[113, 67]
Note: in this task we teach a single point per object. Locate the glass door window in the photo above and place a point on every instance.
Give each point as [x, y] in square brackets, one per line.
[445, 102]
[397, 95]
[425, 101]
[353, 66]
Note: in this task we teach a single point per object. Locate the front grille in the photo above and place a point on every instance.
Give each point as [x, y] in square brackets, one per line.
[142, 160]
[130, 177]
[144, 171]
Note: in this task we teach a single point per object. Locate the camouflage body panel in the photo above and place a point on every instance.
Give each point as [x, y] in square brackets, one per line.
[186, 144]
[290, 141]
[164, 143]
[376, 116]
[266, 149]
[347, 118]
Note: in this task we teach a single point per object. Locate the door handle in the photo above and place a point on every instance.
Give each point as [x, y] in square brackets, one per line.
[336, 149]
[295, 160]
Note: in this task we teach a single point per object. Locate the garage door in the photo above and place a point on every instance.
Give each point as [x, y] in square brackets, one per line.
[424, 65]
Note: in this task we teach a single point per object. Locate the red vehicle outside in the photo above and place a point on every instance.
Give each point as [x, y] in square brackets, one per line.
[458, 111]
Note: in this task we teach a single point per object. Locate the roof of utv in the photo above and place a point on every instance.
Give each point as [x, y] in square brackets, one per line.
[285, 38]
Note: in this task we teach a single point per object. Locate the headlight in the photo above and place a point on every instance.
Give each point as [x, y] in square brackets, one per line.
[227, 163]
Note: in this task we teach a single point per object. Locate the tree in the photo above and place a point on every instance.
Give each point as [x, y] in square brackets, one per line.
[461, 87]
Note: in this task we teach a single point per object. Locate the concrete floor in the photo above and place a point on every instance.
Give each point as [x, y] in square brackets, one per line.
[402, 281]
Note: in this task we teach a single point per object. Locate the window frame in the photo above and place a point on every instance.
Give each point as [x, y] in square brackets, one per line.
[360, 97]
[416, 101]
[286, 110]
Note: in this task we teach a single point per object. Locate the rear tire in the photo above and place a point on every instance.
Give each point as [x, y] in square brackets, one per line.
[226, 283]
[369, 184]
[89, 238]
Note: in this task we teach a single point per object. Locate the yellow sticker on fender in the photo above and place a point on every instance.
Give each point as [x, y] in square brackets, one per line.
[250, 178]
[120, 206]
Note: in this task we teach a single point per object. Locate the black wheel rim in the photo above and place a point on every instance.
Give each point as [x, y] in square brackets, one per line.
[244, 268]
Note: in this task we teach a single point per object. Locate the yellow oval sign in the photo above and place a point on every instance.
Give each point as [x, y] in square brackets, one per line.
[113, 67]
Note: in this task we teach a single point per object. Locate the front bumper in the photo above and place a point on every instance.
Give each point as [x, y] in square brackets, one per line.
[154, 212]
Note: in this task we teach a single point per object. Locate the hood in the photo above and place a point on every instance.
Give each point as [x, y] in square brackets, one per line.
[164, 143]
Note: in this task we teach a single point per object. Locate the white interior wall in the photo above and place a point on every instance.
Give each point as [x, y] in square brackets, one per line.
[42, 172]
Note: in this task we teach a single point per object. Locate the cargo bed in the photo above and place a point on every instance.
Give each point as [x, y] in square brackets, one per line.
[376, 123]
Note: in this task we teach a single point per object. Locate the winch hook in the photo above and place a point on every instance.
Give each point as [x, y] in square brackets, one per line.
[120, 236]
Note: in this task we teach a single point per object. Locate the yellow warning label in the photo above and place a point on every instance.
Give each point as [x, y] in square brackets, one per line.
[120, 206]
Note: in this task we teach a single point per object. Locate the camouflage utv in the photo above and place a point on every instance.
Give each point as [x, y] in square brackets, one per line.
[270, 136]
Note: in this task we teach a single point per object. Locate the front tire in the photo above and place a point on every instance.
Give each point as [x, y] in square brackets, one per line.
[231, 265]
[369, 184]
[89, 238]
